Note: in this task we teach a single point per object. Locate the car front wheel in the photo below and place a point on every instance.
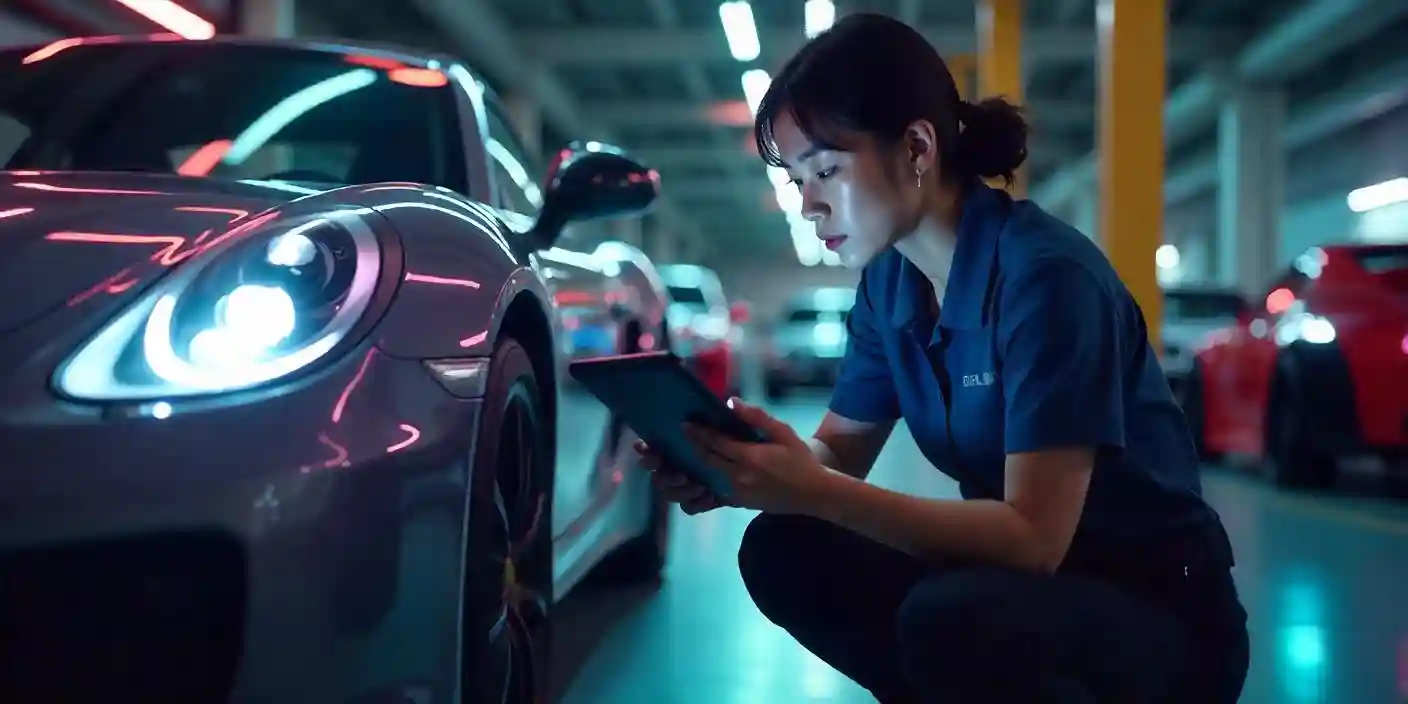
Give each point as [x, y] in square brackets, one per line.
[508, 562]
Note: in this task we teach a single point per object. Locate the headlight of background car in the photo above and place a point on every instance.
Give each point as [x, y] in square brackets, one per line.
[264, 307]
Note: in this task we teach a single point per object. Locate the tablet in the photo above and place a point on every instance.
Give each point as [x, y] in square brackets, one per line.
[654, 394]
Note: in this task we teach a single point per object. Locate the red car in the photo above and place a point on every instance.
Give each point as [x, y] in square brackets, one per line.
[706, 328]
[1314, 371]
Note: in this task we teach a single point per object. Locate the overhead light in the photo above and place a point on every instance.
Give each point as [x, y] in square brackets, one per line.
[755, 85]
[739, 30]
[1379, 195]
[1167, 256]
[820, 15]
[173, 17]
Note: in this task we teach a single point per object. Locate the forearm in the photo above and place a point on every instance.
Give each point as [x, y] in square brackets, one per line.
[985, 531]
[830, 458]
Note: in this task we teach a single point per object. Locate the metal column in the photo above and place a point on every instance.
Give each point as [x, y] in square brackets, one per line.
[1251, 176]
[1131, 144]
[1000, 59]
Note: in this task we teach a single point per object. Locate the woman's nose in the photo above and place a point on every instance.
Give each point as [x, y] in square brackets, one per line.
[813, 208]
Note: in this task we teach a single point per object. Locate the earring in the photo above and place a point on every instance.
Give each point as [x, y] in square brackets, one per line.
[918, 177]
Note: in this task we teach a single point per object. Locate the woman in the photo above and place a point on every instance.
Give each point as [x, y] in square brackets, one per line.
[1082, 564]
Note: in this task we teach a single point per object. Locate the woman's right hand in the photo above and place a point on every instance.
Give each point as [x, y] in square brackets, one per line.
[674, 485]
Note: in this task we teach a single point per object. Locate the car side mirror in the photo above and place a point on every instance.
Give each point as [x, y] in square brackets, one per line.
[592, 181]
[739, 312]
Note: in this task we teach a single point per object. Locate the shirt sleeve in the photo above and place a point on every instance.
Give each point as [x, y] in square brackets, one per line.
[1062, 372]
[865, 388]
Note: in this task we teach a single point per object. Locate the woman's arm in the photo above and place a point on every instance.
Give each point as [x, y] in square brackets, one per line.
[849, 446]
[1031, 529]
[1063, 347]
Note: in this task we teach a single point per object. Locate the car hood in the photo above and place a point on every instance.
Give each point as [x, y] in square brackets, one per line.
[66, 238]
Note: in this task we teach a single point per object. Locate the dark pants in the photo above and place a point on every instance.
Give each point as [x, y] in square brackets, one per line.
[910, 632]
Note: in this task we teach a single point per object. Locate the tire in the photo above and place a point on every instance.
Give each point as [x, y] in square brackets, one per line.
[1292, 459]
[1194, 405]
[507, 595]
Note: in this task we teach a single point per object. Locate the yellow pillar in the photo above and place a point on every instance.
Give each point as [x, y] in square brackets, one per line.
[1000, 58]
[1131, 144]
[962, 66]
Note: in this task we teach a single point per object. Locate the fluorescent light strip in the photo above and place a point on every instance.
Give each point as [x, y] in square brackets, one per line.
[820, 15]
[172, 17]
[1379, 195]
[755, 85]
[259, 132]
[740, 30]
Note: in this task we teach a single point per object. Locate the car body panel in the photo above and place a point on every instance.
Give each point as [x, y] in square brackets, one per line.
[700, 320]
[1358, 319]
[341, 487]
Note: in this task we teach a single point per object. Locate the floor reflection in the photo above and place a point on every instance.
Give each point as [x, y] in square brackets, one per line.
[1325, 580]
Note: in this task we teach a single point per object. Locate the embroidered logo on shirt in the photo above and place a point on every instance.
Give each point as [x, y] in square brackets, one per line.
[984, 379]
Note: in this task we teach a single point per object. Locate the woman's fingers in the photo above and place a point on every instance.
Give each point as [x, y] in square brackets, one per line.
[675, 486]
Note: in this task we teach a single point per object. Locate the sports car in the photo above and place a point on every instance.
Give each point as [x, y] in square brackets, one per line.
[283, 402]
[1315, 371]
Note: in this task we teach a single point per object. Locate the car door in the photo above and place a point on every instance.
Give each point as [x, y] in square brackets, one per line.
[585, 327]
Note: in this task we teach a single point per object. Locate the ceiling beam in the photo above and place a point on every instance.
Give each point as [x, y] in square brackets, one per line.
[667, 47]
[674, 113]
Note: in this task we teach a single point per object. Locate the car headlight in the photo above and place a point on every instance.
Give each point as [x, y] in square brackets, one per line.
[259, 308]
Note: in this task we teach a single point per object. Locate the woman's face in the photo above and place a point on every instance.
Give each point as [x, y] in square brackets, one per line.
[861, 200]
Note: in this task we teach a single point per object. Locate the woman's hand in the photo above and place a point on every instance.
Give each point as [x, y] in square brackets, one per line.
[674, 485]
[779, 476]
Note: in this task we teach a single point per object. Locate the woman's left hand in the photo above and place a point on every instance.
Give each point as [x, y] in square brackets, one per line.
[780, 476]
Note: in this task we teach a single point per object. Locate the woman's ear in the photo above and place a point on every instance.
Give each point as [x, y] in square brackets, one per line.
[922, 145]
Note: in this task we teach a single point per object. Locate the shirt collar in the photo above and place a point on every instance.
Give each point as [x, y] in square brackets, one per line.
[965, 299]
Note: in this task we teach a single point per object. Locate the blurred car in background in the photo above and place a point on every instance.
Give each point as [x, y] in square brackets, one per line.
[282, 399]
[707, 330]
[1190, 314]
[1315, 371]
[805, 344]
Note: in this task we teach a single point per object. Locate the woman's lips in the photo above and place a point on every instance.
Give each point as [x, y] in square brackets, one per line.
[833, 243]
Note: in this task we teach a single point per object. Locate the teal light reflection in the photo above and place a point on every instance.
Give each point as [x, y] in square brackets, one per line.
[1303, 649]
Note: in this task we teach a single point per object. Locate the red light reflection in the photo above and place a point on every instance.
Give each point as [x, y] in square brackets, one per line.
[115, 284]
[234, 213]
[1278, 301]
[351, 386]
[418, 77]
[338, 459]
[96, 191]
[442, 280]
[13, 212]
[373, 62]
[475, 339]
[169, 254]
[205, 159]
[410, 430]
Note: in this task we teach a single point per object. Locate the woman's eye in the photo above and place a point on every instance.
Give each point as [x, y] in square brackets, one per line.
[826, 173]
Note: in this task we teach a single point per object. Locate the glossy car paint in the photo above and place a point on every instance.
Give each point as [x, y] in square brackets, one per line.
[706, 329]
[1238, 363]
[340, 490]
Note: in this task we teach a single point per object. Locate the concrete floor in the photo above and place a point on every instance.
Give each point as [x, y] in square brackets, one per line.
[1325, 579]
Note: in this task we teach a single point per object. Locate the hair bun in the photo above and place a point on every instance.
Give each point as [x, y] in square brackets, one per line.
[992, 141]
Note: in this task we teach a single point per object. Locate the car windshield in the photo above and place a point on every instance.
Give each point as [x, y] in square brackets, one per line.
[687, 295]
[1192, 306]
[227, 111]
[1388, 265]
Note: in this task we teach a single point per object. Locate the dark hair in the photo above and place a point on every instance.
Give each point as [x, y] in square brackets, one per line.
[876, 75]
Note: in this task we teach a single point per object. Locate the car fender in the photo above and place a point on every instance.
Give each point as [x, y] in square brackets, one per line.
[461, 273]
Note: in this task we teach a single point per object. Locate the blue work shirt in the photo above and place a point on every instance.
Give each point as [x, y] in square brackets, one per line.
[1042, 347]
